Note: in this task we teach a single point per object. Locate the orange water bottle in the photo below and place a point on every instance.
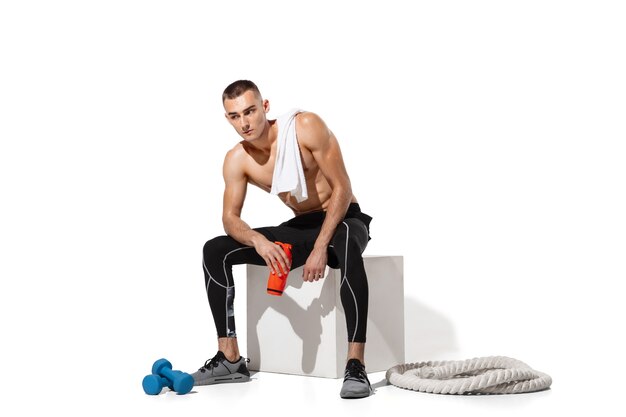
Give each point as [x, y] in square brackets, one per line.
[276, 284]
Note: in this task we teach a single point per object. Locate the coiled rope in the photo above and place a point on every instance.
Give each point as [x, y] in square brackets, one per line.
[487, 375]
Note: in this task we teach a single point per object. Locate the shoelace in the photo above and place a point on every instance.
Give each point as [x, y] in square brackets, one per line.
[356, 372]
[213, 362]
[210, 363]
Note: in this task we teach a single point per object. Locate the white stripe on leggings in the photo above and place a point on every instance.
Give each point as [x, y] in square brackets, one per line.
[210, 276]
[230, 286]
[225, 275]
[345, 279]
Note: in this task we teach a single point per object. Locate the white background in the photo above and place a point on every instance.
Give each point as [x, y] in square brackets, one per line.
[486, 138]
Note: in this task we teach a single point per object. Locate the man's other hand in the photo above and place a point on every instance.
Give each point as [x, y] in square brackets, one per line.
[315, 265]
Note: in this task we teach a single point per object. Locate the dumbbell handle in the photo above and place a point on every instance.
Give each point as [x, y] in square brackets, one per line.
[181, 382]
[168, 373]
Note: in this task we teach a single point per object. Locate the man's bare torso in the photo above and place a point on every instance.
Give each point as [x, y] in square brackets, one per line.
[258, 167]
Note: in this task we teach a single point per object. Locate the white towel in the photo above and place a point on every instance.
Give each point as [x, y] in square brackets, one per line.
[288, 172]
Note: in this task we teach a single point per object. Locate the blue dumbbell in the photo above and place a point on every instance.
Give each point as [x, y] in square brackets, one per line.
[153, 384]
[164, 376]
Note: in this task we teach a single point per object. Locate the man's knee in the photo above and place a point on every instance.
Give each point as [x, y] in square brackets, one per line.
[217, 247]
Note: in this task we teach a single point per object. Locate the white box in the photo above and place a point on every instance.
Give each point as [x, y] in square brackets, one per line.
[303, 332]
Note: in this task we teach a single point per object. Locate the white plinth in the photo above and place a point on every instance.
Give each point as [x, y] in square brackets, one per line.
[303, 332]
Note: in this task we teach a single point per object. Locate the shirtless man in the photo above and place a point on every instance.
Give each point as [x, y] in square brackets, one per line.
[328, 229]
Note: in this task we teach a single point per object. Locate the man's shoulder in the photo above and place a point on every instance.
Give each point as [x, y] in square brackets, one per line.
[236, 151]
[308, 118]
[237, 154]
[310, 127]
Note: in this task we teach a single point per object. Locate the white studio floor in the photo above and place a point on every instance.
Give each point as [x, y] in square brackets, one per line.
[277, 394]
[287, 394]
[274, 394]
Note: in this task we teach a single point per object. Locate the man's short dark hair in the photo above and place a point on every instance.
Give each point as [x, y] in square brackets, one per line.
[239, 87]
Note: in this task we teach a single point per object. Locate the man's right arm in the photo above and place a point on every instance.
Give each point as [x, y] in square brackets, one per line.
[235, 187]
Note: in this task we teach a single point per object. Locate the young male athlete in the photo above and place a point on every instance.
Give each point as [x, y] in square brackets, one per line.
[328, 229]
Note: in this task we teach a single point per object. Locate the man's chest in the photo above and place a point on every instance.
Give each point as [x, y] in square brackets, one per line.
[260, 170]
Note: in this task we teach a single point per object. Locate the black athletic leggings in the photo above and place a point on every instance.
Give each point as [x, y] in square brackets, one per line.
[344, 252]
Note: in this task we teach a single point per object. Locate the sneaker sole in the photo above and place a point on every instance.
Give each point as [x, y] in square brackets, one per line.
[351, 394]
[224, 379]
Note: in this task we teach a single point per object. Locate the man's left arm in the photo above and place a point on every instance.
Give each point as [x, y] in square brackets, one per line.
[316, 137]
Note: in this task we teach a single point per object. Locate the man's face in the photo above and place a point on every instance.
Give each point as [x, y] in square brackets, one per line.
[246, 114]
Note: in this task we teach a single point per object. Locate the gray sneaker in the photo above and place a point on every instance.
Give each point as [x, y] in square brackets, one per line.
[355, 382]
[220, 370]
